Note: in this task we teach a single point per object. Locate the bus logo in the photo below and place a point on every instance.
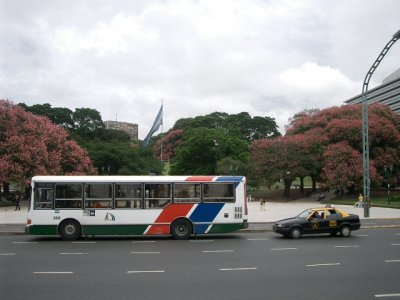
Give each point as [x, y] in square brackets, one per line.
[109, 217]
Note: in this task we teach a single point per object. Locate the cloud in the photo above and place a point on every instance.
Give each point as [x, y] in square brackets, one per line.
[321, 85]
[269, 58]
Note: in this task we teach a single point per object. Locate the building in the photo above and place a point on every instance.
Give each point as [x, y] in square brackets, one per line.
[387, 93]
[129, 128]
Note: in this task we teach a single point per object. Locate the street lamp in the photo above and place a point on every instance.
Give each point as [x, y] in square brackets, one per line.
[365, 144]
[388, 175]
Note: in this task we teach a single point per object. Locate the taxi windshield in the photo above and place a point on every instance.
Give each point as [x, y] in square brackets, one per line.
[304, 214]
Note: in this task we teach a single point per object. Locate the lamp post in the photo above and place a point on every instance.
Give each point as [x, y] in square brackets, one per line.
[388, 175]
[365, 144]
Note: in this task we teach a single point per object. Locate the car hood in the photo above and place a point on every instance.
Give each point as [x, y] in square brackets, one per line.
[286, 221]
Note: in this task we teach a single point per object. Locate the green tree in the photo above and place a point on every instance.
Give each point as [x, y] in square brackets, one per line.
[202, 148]
[87, 122]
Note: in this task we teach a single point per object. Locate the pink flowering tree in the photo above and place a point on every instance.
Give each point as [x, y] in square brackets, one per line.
[31, 145]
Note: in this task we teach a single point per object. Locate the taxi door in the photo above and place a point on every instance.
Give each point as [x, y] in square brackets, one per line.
[313, 225]
[333, 220]
[325, 223]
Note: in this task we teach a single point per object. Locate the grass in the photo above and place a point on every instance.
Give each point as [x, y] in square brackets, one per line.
[375, 202]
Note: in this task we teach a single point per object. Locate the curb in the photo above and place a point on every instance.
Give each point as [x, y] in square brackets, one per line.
[11, 233]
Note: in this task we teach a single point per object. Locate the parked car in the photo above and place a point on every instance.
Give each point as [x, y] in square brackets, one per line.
[318, 220]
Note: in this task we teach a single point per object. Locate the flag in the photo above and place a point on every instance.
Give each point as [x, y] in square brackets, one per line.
[156, 125]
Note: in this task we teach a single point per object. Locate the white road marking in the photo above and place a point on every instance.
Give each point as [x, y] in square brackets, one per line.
[398, 233]
[83, 242]
[24, 242]
[387, 295]
[141, 242]
[53, 272]
[350, 246]
[201, 241]
[217, 251]
[137, 272]
[258, 239]
[7, 254]
[74, 253]
[144, 252]
[322, 265]
[362, 235]
[392, 261]
[282, 249]
[394, 244]
[238, 269]
[369, 223]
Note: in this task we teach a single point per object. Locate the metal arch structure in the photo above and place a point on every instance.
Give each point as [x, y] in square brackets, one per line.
[365, 144]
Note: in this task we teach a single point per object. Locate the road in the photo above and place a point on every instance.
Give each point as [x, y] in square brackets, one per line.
[259, 265]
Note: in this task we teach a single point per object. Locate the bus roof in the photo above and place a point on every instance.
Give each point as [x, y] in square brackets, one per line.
[150, 178]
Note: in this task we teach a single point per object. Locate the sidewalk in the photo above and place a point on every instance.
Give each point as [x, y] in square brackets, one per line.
[14, 221]
[277, 210]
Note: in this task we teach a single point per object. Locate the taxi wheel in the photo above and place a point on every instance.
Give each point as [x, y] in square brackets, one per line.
[345, 231]
[295, 233]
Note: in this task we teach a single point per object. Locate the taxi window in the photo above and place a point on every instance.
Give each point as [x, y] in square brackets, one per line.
[331, 214]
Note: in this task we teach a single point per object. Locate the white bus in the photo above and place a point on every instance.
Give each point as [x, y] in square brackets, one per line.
[72, 206]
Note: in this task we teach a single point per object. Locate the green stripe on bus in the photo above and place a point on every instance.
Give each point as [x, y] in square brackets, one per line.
[113, 229]
[224, 228]
[43, 229]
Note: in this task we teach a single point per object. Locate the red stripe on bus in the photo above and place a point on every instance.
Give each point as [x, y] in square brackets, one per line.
[169, 213]
[200, 178]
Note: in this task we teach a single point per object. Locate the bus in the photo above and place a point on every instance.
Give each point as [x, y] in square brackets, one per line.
[181, 206]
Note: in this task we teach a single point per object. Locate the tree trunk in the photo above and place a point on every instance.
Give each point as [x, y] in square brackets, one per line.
[302, 185]
[6, 187]
[288, 183]
[314, 183]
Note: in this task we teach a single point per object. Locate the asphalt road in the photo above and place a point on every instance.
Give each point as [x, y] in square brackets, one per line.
[259, 265]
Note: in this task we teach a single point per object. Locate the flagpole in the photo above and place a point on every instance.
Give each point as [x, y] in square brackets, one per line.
[162, 128]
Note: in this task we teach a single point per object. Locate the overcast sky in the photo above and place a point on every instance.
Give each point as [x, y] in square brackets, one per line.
[268, 58]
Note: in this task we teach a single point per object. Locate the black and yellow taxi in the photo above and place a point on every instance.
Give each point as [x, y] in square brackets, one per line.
[318, 220]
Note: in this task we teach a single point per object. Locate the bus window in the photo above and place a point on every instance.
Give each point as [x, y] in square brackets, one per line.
[128, 195]
[187, 192]
[43, 198]
[157, 195]
[218, 192]
[98, 195]
[68, 195]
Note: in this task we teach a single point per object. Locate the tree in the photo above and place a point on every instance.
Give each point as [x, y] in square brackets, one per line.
[58, 115]
[32, 145]
[114, 157]
[87, 122]
[241, 125]
[285, 158]
[343, 166]
[169, 142]
[202, 148]
[341, 124]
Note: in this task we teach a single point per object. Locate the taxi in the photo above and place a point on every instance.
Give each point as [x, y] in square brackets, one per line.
[318, 220]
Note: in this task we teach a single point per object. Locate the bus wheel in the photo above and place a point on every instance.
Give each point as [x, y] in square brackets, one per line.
[70, 230]
[181, 229]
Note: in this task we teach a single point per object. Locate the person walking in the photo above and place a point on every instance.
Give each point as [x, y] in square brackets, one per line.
[17, 201]
[262, 204]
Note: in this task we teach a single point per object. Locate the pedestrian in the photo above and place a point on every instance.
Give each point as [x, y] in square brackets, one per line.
[262, 204]
[360, 202]
[17, 201]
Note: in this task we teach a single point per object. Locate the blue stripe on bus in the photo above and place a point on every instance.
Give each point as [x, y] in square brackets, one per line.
[230, 178]
[205, 213]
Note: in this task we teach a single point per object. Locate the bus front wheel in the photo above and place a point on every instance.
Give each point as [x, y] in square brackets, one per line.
[70, 230]
[181, 229]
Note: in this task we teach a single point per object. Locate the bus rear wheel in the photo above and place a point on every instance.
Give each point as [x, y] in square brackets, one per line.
[70, 230]
[181, 229]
